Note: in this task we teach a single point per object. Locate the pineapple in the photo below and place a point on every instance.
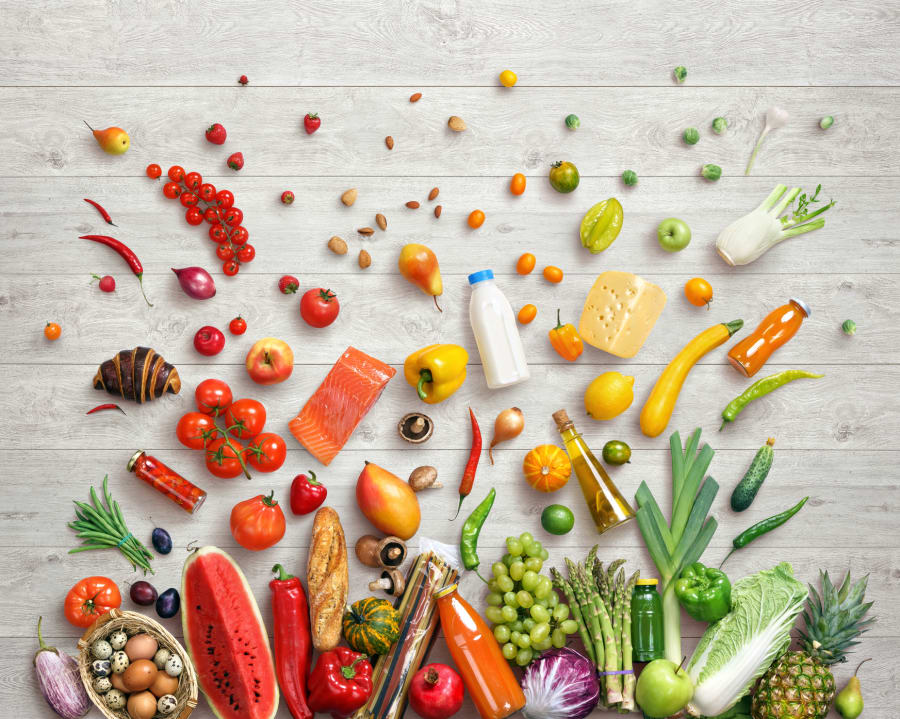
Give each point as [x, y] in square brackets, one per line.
[800, 684]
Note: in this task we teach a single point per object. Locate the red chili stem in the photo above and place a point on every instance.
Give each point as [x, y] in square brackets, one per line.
[125, 253]
[102, 210]
[102, 407]
[468, 478]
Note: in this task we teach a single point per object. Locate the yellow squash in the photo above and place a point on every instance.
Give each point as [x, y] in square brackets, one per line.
[658, 409]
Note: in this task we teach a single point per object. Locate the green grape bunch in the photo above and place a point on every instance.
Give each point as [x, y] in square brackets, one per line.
[527, 614]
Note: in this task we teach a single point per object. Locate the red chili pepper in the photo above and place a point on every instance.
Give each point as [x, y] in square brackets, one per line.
[102, 210]
[101, 407]
[293, 646]
[468, 478]
[125, 253]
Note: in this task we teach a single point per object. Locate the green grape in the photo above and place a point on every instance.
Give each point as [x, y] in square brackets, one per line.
[558, 638]
[569, 626]
[523, 658]
[504, 583]
[509, 598]
[501, 633]
[524, 641]
[533, 550]
[514, 636]
[553, 600]
[514, 546]
[499, 569]
[540, 632]
[509, 651]
[543, 590]
[530, 580]
[534, 564]
[507, 559]
[528, 624]
[509, 614]
[539, 614]
[526, 538]
[494, 614]
[516, 570]
[543, 601]
[561, 612]
[517, 626]
[542, 645]
[524, 599]
[494, 599]
[545, 582]
[545, 555]
[492, 586]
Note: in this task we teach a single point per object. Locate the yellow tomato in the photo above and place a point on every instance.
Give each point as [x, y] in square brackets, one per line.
[517, 184]
[553, 274]
[476, 219]
[698, 292]
[527, 314]
[525, 264]
[508, 78]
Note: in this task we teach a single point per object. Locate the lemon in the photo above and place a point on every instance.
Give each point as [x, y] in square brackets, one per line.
[609, 395]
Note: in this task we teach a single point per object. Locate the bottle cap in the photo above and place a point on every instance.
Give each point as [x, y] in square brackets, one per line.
[647, 582]
[444, 591]
[802, 305]
[561, 417]
[481, 276]
[130, 465]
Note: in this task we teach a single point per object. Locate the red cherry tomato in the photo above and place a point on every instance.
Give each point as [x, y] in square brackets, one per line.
[245, 418]
[225, 252]
[176, 173]
[195, 430]
[231, 268]
[193, 180]
[246, 253]
[207, 192]
[266, 452]
[172, 190]
[193, 216]
[233, 216]
[210, 215]
[154, 171]
[218, 234]
[189, 199]
[213, 397]
[223, 458]
[319, 308]
[209, 341]
[224, 199]
[237, 326]
[239, 235]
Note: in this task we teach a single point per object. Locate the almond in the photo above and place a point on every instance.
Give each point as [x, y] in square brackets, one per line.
[381, 221]
[437, 210]
[412, 205]
[415, 97]
[365, 259]
[349, 197]
[434, 193]
[389, 141]
[337, 245]
[456, 123]
[367, 231]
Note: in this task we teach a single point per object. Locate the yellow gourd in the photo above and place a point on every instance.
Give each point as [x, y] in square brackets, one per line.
[658, 409]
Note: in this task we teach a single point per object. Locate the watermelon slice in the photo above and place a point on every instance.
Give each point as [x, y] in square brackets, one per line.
[226, 637]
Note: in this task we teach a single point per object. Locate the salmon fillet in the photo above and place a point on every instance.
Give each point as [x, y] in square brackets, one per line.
[346, 394]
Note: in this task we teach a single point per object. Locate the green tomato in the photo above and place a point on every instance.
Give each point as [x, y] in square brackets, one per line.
[691, 136]
[826, 122]
[630, 178]
[711, 172]
[572, 122]
[680, 73]
[616, 452]
[564, 177]
[719, 125]
[673, 234]
[557, 519]
[601, 225]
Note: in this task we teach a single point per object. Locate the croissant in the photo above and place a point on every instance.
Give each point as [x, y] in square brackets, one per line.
[139, 374]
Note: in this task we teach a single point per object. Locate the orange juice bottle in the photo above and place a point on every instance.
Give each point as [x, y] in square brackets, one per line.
[488, 678]
[751, 353]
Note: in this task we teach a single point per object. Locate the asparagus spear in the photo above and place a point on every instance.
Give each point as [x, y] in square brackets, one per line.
[628, 679]
[610, 664]
[575, 610]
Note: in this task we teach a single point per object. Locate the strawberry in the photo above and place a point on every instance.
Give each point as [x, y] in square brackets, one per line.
[311, 122]
[288, 284]
[243, 80]
[216, 134]
[236, 161]
[287, 197]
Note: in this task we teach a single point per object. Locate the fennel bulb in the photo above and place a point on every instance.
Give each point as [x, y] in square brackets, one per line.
[775, 118]
[746, 239]
[735, 651]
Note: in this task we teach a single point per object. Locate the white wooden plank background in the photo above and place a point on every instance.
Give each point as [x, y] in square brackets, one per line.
[165, 71]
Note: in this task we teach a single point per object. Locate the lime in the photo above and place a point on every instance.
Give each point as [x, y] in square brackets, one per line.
[616, 452]
[557, 519]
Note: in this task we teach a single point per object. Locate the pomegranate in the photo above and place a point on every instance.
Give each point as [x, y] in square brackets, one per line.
[436, 692]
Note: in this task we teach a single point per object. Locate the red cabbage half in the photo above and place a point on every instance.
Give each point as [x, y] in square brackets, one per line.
[560, 684]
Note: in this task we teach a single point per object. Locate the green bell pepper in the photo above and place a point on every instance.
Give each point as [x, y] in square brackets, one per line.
[704, 592]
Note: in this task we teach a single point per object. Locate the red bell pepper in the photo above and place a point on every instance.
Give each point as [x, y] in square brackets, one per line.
[293, 646]
[340, 683]
[306, 493]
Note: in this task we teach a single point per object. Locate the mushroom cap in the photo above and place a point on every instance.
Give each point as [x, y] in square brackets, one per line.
[415, 427]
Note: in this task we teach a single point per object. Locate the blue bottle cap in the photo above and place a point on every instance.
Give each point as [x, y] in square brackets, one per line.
[480, 276]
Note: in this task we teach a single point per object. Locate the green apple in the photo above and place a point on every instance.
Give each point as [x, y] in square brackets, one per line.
[663, 688]
[673, 234]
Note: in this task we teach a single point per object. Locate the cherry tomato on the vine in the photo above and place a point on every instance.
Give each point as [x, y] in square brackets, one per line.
[224, 199]
[231, 268]
[233, 216]
[266, 452]
[237, 326]
[196, 430]
[217, 233]
[207, 192]
[213, 397]
[176, 173]
[154, 171]
[189, 199]
[194, 216]
[239, 235]
[246, 253]
[225, 252]
[210, 215]
[193, 180]
[172, 190]
[223, 458]
[245, 418]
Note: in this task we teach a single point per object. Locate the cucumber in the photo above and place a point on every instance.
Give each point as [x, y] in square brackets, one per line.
[743, 495]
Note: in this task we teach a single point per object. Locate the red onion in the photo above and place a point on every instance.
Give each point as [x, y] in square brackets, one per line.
[196, 282]
[59, 681]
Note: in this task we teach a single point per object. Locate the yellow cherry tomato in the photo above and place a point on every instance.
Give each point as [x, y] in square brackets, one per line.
[553, 274]
[517, 184]
[476, 219]
[525, 264]
[52, 331]
[508, 78]
[698, 292]
[527, 314]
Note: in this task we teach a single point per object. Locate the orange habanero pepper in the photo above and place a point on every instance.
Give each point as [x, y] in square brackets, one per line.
[565, 340]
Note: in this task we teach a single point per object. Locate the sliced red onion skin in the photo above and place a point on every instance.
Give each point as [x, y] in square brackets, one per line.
[196, 282]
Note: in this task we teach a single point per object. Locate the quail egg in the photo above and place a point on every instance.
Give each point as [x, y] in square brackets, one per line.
[101, 649]
[119, 662]
[101, 667]
[174, 665]
[161, 657]
[117, 640]
[166, 704]
[114, 699]
[102, 685]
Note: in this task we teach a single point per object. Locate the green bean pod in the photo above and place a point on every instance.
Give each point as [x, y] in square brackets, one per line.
[761, 388]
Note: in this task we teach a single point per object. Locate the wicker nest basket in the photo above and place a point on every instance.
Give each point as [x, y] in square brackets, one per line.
[134, 623]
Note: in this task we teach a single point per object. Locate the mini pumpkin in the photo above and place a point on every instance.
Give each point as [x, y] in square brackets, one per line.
[371, 625]
[547, 468]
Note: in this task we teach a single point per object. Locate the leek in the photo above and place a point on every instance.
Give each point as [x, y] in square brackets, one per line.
[674, 545]
[748, 238]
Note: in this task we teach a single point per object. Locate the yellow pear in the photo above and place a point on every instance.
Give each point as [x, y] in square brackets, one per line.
[113, 140]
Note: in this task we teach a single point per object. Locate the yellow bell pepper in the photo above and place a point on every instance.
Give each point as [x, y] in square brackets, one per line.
[436, 371]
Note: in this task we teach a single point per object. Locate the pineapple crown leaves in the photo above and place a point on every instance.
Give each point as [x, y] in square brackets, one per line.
[833, 618]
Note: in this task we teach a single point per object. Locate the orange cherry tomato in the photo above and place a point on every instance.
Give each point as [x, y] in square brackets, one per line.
[52, 331]
[525, 264]
[698, 292]
[257, 523]
[476, 219]
[90, 598]
[517, 184]
[527, 314]
[553, 274]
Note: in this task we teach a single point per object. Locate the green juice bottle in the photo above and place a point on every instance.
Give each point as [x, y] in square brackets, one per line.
[647, 638]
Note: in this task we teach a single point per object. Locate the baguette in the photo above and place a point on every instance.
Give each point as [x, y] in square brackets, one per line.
[327, 579]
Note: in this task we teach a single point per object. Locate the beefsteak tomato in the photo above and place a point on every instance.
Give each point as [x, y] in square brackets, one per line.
[90, 598]
[257, 523]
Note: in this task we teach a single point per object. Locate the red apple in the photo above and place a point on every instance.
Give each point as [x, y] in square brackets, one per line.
[209, 341]
[270, 361]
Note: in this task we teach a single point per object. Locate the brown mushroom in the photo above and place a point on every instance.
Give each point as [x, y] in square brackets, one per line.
[367, 550]
[385, 553]
[392, 582]
[423, 478]
[415, 427]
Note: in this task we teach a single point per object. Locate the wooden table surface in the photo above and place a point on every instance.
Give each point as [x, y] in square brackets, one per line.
[168, 72]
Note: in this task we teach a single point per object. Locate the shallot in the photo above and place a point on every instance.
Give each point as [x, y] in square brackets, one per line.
[508, 425]
[196, 282]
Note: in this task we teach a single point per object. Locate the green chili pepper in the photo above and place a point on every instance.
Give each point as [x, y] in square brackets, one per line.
[761, 388]
[763, 527]
[704, 592]
[468, 543]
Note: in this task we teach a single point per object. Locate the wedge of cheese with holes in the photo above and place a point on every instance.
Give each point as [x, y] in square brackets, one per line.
[619, 313]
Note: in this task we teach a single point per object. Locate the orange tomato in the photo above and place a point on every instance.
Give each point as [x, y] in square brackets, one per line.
[698, 292]
[508, 78]
[476, 219]
[257, 523]
[553, 274]
[525, 264]
[527, 314]
[92, 597]
[517, 184]
[52, 332]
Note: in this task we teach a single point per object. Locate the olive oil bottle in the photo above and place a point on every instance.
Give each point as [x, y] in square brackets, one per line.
[607, 505]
